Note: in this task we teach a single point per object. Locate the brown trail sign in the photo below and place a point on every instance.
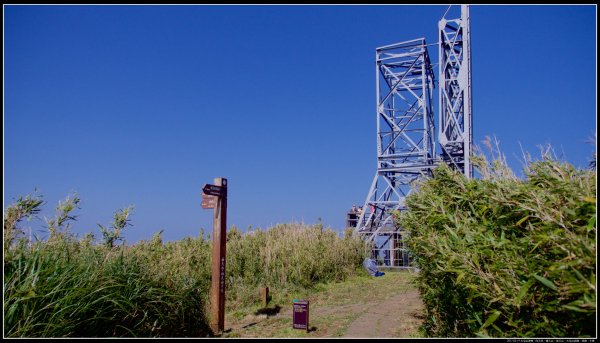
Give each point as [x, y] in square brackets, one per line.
[215, 196]
[208, 201]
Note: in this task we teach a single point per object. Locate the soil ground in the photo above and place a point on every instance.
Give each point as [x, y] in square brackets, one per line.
[361, 307]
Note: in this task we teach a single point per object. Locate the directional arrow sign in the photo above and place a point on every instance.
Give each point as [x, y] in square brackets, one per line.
[212, 190]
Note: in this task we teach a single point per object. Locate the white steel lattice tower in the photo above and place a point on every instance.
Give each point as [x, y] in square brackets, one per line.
[455, 121]
[405, 144]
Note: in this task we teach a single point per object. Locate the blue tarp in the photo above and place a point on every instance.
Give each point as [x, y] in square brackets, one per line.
[371, 267]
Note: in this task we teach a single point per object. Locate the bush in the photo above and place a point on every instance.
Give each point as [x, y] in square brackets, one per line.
[505, 257]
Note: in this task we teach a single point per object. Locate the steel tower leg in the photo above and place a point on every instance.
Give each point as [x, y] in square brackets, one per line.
[456, 119]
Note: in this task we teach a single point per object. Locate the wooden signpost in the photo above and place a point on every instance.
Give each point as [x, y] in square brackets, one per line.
[215, 196]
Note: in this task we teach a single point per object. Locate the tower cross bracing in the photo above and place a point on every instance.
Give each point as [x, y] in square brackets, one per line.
[405, 139]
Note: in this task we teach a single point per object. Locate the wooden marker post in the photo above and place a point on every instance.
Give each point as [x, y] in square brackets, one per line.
[217, 290]
[265, 296]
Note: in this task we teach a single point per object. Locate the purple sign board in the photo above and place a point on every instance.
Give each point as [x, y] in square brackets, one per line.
[301, 314]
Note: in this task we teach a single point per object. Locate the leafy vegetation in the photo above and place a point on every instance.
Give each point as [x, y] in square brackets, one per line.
[70, 287]
[506, 257]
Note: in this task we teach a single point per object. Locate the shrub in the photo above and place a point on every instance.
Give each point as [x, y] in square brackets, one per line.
[501, 256]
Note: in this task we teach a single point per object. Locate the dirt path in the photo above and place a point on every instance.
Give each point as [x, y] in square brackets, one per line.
[387, 306]
[396, 316]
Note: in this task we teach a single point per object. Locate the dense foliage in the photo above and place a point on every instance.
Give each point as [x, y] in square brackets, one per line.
[69, 287]
[506, 257]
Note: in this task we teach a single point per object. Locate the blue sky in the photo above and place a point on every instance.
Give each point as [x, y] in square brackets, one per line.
[143, 105]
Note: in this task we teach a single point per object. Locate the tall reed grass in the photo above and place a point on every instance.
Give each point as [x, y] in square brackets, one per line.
[65, 287]
[289, 257]
[69, 287]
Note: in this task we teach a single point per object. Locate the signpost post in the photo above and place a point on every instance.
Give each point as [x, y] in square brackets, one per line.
[215, 196]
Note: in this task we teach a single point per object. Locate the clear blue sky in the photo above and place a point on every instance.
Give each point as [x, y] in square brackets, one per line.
[143, 105]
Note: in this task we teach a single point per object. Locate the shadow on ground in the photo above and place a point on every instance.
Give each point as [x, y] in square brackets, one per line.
[269, 311]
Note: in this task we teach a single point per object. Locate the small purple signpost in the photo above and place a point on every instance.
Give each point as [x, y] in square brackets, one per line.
[301, 314]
